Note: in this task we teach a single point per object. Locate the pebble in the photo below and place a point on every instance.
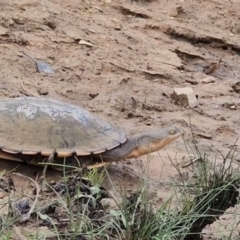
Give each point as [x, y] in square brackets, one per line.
[191, 81]
[51, 24]
[3, 31]
[236, 87]
[43, 91]
[185, 97]
[209, 79]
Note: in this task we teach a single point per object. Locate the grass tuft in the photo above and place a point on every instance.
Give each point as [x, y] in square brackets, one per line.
[76, 210]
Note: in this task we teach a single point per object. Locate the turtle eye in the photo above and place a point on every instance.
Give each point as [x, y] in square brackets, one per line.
[172, 131]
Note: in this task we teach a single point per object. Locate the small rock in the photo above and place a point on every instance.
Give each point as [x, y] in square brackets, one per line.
[236, 87]
[108, 203]
[19, 21]
[178, 12]
[51, 24]
[93, 95]
[3, 31]
[185, 97]
[125, 80]
[173, 12]
[43, 91]
[231, 106]
[209, 79]
[91, 30]
[191, 81]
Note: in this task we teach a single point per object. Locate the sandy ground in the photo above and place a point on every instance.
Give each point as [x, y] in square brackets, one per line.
[140, 51]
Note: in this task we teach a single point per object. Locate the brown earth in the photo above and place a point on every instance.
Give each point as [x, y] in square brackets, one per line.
[140, 51]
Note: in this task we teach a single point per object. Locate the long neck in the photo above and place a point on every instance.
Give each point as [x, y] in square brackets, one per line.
[124, 151]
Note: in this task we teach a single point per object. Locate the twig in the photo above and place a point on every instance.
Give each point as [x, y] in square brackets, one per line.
[191, 162]
[27, 216]
[28, 91]
[110, 97]
[24, 53]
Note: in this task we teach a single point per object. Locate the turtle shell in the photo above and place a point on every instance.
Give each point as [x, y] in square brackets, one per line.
[31, 125]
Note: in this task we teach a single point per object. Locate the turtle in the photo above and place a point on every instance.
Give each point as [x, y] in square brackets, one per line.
[36, 128]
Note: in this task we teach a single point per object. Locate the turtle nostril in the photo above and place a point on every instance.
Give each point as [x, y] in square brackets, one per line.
[183, 133]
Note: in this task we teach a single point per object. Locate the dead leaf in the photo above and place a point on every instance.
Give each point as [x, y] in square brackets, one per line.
[22, 186]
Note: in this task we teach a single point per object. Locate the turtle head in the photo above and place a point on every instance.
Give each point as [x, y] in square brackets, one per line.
[159, 138]
[153, 140]
[143, 143]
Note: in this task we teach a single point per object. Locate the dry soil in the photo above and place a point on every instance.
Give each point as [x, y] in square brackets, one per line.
[134, 53]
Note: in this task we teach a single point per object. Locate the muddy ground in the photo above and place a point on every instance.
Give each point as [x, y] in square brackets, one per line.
[136, 53]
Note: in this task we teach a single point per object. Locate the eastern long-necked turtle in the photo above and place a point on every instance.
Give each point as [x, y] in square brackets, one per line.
[32, 127]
